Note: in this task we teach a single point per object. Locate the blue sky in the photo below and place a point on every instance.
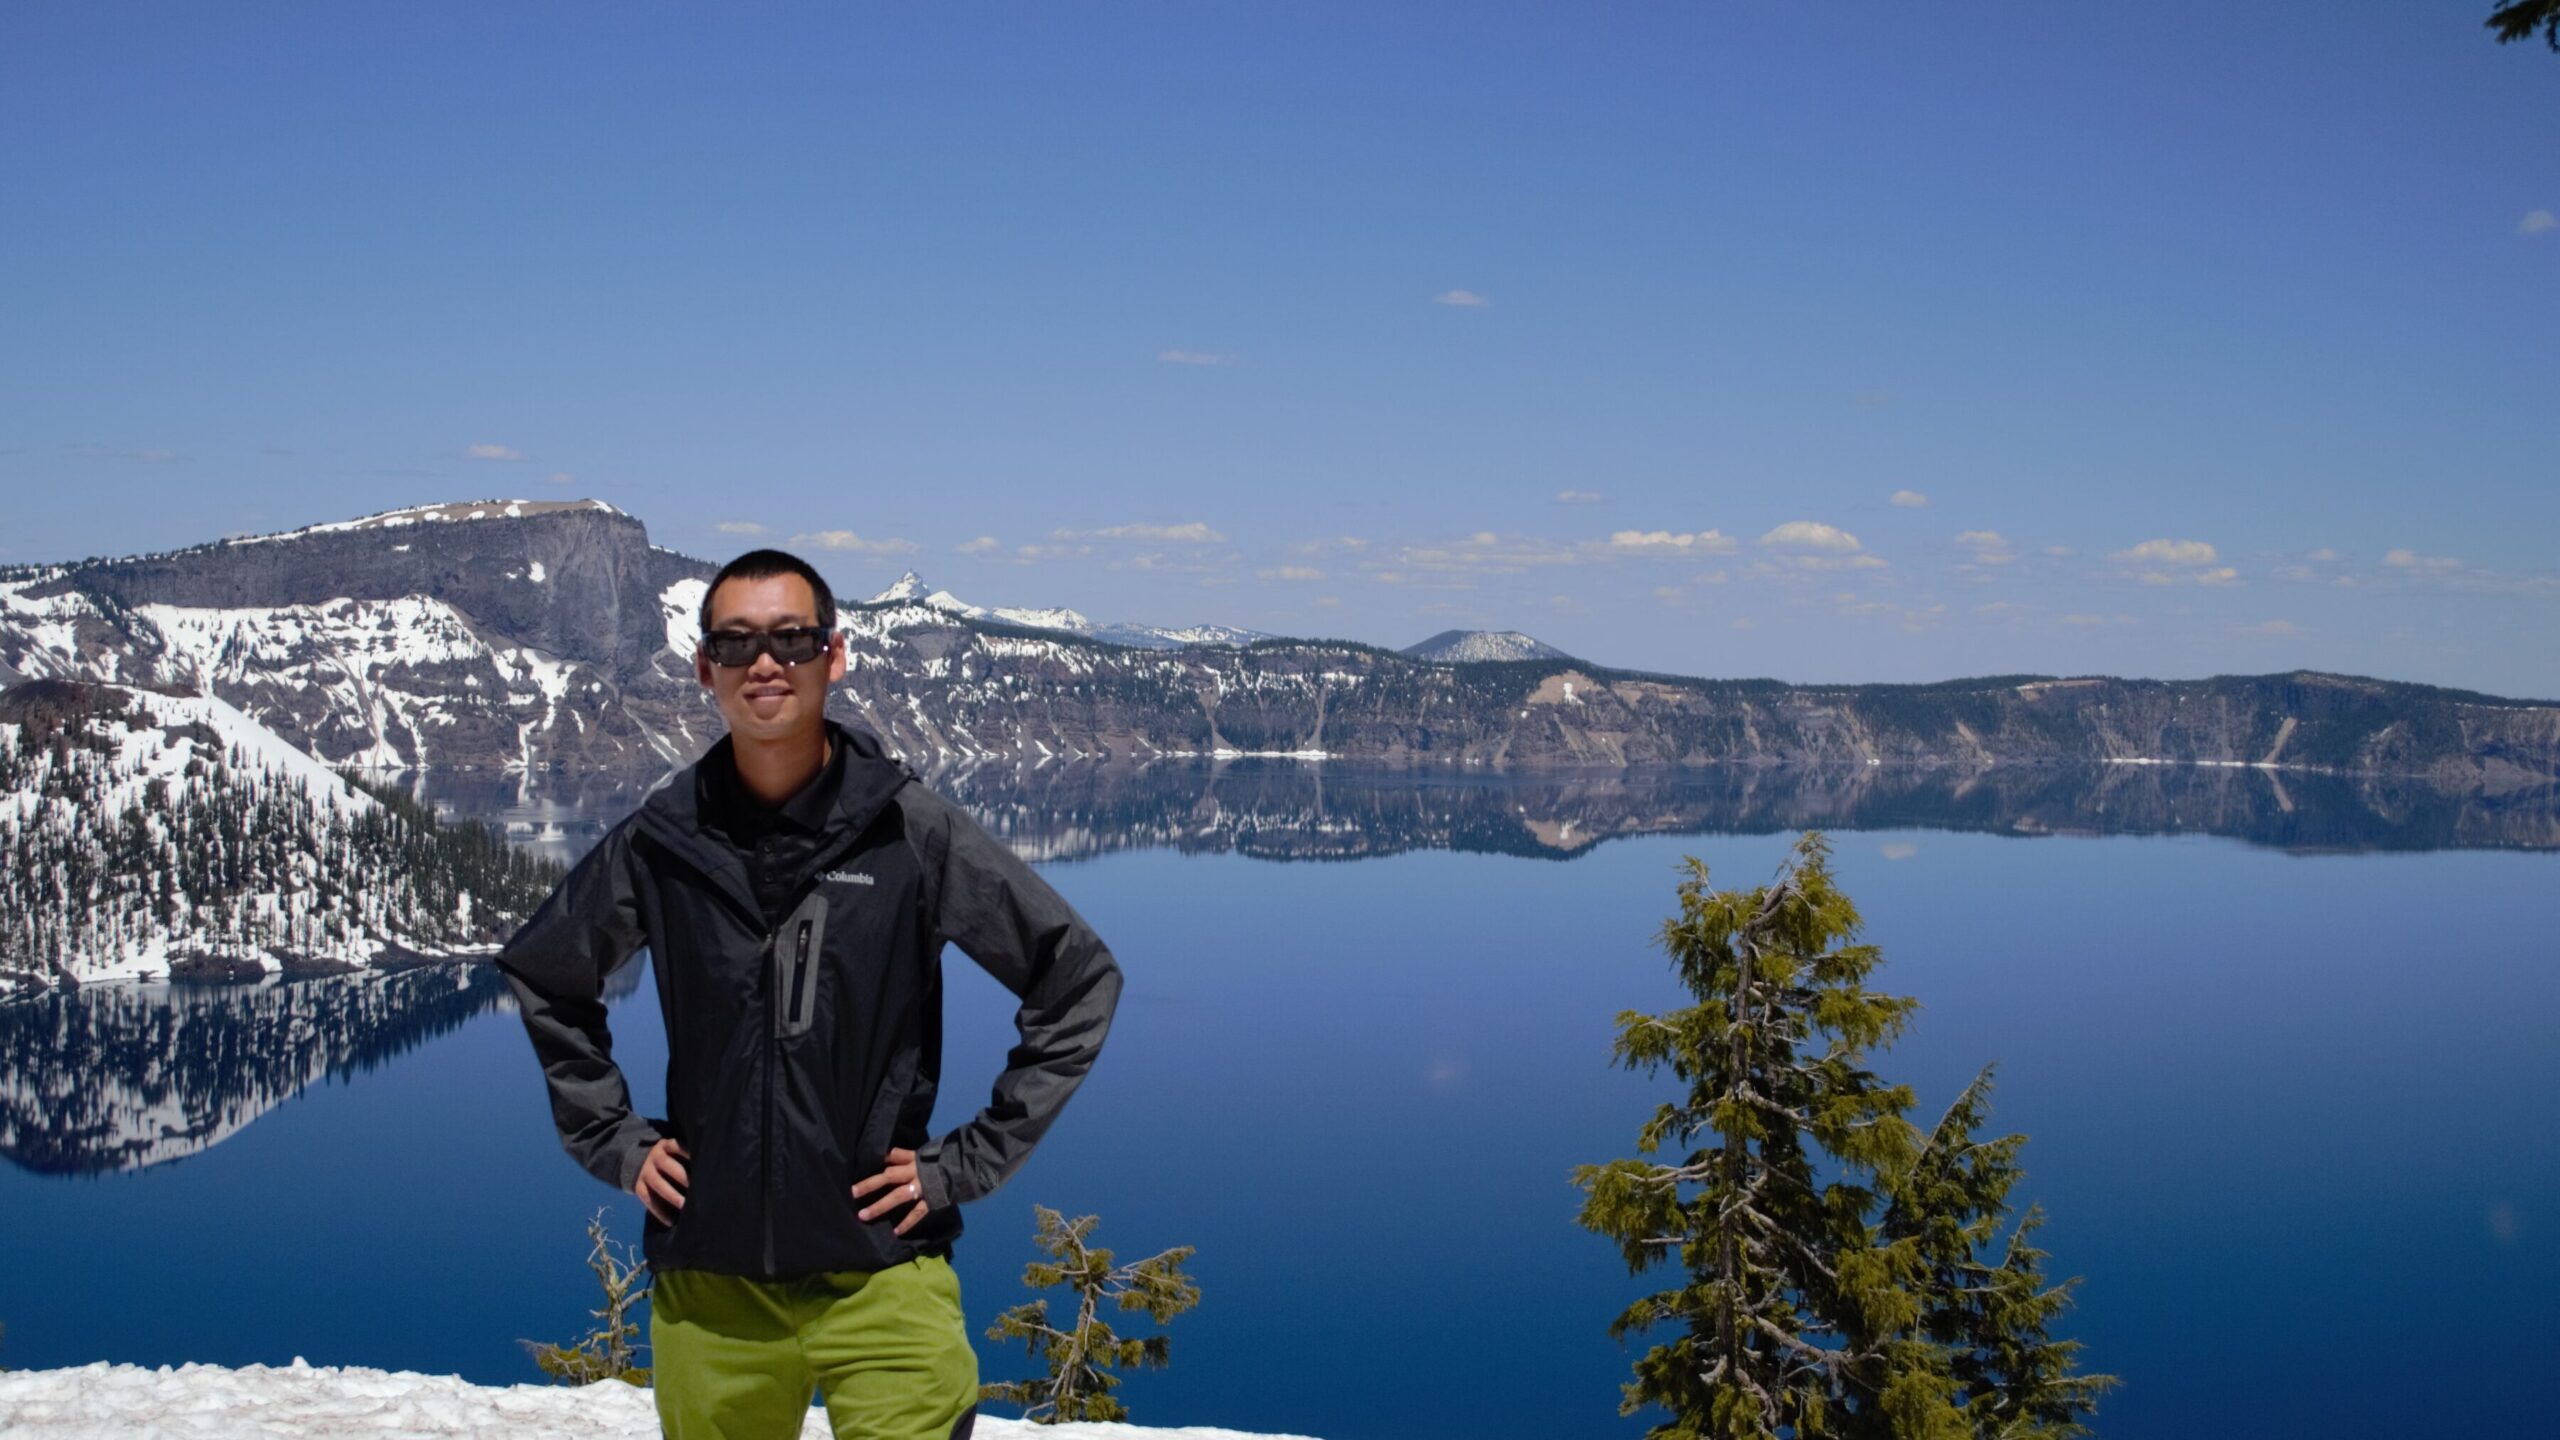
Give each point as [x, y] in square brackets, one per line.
[1885, 343]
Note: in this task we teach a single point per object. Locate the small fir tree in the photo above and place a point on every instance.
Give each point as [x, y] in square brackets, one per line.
[1082, 1358]
[609, 1351]
[1803, 1312]
[1986, 1300]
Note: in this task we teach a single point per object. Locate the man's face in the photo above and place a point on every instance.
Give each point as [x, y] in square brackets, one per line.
[766, 699]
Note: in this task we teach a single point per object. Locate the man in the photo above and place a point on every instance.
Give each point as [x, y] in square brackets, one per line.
[796, 885]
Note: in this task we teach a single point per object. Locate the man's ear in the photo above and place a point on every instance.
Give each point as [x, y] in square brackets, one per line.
[702, 668]
[835, 656]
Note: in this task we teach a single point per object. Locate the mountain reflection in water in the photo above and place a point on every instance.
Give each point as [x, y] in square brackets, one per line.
[1288, 810]
[118, 1077]
[121, 1076]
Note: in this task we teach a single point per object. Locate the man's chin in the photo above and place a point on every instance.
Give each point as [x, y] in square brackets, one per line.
[786, 720]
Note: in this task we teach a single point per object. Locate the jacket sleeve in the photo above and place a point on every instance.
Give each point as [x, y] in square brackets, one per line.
[557, 964]
[982, 897]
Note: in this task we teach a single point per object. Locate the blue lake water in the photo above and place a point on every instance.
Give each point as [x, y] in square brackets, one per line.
[2289, 1112]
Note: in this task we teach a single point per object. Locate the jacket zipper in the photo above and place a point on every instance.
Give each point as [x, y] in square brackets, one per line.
[799, 973]
[772, 1048]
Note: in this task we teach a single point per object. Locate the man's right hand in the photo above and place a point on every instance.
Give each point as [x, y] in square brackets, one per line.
[661, 1182]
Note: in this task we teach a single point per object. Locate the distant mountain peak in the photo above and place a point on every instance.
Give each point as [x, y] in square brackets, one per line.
[1457, 646]
[910, 586]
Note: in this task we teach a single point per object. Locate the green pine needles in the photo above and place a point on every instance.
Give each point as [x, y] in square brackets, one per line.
[1847, 1276]
[1083, 1358]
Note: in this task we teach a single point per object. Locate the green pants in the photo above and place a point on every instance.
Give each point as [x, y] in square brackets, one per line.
[736, 1359]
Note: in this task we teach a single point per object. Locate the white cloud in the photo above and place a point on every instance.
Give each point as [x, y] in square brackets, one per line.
[1464, 299]
[984, 544]
[2417, 564]
[561, 477]
[1290, 572]
[2275, 627]
[1988, 547]
[1812, 535]
[1668, 542]
[491, 452]
[2174, 562]
[2538, 222]
[1191, 532]
[1897, 850]
[1329, 602]
[2323, 553]
[1579, 497]
[2168, 552]
[1194, 357]
[847, 540]
[2085, 619]
[1910, 499]
[2060, 552]
[739, 527]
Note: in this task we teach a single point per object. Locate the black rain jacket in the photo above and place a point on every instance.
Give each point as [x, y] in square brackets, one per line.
[798, 1056]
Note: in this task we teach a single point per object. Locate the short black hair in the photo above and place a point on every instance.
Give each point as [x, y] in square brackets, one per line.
[764, 565]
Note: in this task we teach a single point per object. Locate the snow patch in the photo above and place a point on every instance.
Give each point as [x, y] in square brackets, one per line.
[426, 514]
[682, 602]
[104, 1401]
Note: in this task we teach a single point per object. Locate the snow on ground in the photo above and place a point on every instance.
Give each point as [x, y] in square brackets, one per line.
[129, 1402]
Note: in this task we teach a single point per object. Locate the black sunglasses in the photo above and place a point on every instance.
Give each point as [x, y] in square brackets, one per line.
[797, 645]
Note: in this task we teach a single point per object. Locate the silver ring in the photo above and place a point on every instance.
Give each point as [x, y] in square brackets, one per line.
[917, 1188]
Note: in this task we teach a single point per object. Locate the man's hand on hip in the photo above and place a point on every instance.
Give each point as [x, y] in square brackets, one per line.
[661, 1181]
[902, 1187]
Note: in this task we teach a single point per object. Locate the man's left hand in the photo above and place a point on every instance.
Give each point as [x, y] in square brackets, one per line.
[901, 1187]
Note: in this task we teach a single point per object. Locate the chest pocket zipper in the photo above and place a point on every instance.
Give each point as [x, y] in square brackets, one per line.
[795, 966]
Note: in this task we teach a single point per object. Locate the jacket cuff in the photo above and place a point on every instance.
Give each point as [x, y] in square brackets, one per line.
[633, 1157]
[932, 1178]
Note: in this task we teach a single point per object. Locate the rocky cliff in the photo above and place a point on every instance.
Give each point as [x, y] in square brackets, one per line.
[520, 636]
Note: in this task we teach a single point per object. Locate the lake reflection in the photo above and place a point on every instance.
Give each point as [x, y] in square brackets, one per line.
[1284, 810]
[2281, 1069]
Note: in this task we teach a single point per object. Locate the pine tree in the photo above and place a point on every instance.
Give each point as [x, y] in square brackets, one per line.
[1082, 1358]
[1992, 1315]
[609, 1351]
[1803, 1311]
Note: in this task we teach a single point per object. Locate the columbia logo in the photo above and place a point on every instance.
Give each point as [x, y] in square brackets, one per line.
[848, 877]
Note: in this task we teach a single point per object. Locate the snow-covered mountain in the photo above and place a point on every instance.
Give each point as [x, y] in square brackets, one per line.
[493, 634]
[145, 835]
[911, 589]
[1451, 647]
[512, 636]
